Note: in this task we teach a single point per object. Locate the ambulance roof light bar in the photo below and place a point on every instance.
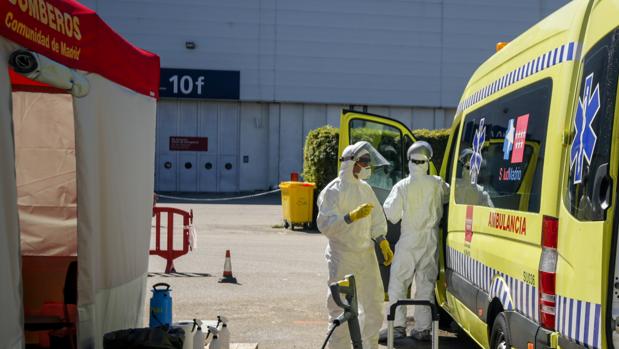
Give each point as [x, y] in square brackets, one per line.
[500, 45]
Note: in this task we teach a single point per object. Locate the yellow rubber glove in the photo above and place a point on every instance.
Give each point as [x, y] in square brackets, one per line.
[387, 253]
[360, 212]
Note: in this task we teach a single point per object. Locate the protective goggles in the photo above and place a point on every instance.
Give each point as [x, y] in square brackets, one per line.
[365, 160]
[418, 162]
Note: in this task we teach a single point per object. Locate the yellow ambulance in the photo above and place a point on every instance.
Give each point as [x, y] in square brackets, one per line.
[529, 244]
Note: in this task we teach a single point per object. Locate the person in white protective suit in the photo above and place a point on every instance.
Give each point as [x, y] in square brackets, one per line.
[466, 191]
[418, 201]
[349, 215]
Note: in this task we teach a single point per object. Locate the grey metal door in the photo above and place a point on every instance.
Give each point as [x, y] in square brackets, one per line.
[215, 169]
[188, 174]
[166, 172]
[208, 127]
[228, 169]
[228, 173]
[188, 127]
[166, 161]
[207, 170]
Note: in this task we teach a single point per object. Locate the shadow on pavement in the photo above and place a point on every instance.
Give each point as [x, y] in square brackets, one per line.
[219, 199]
[311, 230]
[445, 342]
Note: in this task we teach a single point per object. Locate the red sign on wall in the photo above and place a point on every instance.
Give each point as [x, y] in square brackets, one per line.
[189, 143]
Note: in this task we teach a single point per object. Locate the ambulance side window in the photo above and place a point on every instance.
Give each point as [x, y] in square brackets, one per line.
[591, 132]
[500, 157]
[388, 141]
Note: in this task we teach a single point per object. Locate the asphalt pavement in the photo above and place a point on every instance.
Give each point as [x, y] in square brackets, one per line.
[279, 301]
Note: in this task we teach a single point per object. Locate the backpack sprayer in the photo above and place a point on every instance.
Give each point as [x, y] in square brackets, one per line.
[350, 314]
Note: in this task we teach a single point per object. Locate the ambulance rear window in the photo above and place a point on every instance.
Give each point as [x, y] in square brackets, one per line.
[587, 192]
[500, 162]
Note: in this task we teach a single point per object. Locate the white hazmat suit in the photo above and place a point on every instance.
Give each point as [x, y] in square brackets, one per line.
[467, 192]
[350, 250]
[417, 200]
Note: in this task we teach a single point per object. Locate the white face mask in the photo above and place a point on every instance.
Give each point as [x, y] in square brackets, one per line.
[365, 173]
[418, 169]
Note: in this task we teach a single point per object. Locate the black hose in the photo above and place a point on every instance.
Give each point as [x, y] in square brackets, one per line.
[333, 327]
[157, 318]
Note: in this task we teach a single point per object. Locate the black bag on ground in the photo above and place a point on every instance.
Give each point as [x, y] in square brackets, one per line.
[145, 338]
[61, 339]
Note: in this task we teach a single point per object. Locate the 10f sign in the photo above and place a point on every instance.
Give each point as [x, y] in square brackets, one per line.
[201, 84]
[185, 84]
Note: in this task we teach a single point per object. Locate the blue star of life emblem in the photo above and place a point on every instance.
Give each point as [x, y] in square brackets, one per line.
[585, 138]
[476, 158]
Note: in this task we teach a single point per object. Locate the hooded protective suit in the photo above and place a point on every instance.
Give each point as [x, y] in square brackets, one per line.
[466, 191]
[471, 194]
[417, 200]
[351, 249]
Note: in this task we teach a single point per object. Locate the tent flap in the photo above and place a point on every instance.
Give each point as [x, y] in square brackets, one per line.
[45, 155]
[115, 138]
[10, 266]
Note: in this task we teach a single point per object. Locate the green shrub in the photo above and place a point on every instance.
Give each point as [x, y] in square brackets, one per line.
[320, 156]
[374, 136]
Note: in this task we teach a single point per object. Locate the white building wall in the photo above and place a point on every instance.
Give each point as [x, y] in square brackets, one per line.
[371, 52]
[262, 142]
[302, 62]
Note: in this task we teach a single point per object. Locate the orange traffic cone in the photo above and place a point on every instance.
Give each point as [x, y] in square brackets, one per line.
[227, 277]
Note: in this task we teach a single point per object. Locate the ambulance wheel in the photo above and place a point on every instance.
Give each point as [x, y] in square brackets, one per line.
[286, 224]
[500, 338]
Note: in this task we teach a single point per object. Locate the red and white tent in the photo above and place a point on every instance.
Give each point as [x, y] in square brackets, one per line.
[77, 145]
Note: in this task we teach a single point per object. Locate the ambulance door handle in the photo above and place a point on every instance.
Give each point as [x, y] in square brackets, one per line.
[602, 188]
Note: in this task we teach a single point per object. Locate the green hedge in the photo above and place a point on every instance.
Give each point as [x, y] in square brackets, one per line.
[321, 149]
[320, 156]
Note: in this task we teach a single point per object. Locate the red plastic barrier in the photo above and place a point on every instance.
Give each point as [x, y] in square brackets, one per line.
[169, 253]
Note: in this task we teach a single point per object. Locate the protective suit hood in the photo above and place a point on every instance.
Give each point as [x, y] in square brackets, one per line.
[347, 166]
[355, 152]
[420, 148]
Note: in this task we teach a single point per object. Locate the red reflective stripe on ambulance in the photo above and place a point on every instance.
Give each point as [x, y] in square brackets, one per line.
[468, 226]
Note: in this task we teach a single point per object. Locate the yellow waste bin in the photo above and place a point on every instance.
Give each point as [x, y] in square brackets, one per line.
[297, 203]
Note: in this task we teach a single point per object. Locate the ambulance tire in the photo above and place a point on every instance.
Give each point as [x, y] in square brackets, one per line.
[500, 337]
